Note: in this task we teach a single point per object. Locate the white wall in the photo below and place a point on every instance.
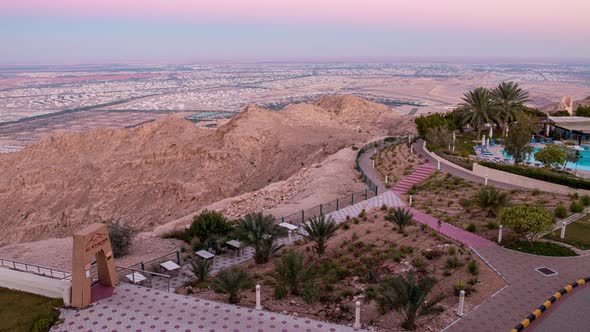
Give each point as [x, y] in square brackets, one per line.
[35, 284]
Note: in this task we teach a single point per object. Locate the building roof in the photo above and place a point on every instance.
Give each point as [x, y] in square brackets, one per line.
[572, 123]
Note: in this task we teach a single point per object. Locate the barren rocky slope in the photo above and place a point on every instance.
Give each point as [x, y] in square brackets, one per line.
[164, 170]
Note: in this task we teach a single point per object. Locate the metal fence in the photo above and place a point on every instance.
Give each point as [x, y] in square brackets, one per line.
[143, 278]
[154, 264]
[36, 269]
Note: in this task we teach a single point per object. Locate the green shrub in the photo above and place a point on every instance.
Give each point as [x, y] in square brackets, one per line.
[44, 323]
[576, 207]
[585, 200]
[492, 225]
[280, 292]
[121, 236]
[473, 268]
[208, 223]
[452, 251]
[432, 254]
[419, 264]
[311, 293]
[452, 262]
[201, 269]
[541, 248]
[542, 174]
[471, 228]
[461, 285]
[560, 211]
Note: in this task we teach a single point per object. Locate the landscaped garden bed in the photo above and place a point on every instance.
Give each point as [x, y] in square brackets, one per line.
[396, 162]
[577, 234]
[360, 260]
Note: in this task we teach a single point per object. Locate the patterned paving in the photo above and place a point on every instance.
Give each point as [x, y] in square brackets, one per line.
[417, 176]
[134, 308]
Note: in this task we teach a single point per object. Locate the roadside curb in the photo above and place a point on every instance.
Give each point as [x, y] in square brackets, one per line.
[547, 304]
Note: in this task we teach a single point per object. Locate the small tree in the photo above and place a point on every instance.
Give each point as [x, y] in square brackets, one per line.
[490, 200]
[529, 222]
[551, 155]
[121, 236]
[408, 297]
[517, 142]
[571, 156]
[401, 217]
[209, 223]
[291, 272]
[439, 136]
[201, 269]
[320, 231]
[232, 281]
[261, 232]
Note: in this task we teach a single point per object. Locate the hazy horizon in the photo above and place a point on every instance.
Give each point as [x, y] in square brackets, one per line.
[184, 31]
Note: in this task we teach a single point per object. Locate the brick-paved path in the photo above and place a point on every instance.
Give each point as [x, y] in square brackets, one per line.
[134, 308]
[417, 176]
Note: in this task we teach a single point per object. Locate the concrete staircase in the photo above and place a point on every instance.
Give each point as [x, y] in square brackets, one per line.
[417, 176]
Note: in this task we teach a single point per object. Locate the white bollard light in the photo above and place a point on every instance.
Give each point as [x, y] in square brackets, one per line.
[500, 234]
[438, 165]
[411, 149]
[563, 224]
[290, 236]
[373, 163]
[410, 200]
[453, 148]
[486, 181]
[357, 315]
[258, 306]
[461, 303]
[385, 178]
[449, 146]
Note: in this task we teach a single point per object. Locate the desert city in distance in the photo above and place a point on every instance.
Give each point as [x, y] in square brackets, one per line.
[294, 166]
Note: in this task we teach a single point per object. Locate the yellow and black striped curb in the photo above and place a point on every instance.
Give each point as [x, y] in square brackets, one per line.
[543, 307]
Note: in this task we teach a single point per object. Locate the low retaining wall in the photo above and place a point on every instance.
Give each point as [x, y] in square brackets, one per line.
[36, 284]
[523, 181]
[543, 307]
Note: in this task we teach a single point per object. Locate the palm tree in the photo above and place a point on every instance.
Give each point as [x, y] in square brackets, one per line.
[401, 217]
[201, 269]
[479, 108]
[490, 200]
[232, 281]
[320, 231]
[261, 232]
[291, 272]
[511, 99]
[408, 297]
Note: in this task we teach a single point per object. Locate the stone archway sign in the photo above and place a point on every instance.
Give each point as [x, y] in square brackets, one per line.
[92, 241]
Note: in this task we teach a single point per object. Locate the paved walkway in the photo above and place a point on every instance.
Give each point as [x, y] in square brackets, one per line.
[134, 308]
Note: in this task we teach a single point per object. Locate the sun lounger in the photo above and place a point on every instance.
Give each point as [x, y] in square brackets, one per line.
[543, 141]
[569, 169]
[551, 140]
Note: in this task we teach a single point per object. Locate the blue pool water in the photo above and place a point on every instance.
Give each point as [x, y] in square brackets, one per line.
[582, 165]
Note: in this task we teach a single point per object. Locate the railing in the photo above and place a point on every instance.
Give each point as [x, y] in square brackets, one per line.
[173, 256]
[36, 269]
[127, 275]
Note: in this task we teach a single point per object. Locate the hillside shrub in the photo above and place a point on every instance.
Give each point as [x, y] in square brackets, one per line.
[560, 211]
[121, 236]
[576, 207]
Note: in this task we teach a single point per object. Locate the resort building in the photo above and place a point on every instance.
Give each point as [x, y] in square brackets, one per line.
[569, 127]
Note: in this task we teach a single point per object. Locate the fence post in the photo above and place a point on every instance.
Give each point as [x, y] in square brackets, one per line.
[142, 267]
[352, 200]
[302, 216]
[366, 194]
[321, 210]
[177, 257]
[336, 204]
[376, 190]
[282, 219]
[357, 315]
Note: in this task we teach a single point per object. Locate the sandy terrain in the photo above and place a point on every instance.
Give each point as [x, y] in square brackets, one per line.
[161, 171]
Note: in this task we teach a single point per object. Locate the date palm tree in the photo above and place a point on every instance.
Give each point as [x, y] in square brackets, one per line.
[479, 108]
[510, 98]
[291, 272]
[320, 230]
[232, 281]
[401, 217]
[261, 232]
[490, 200]
[408, 297]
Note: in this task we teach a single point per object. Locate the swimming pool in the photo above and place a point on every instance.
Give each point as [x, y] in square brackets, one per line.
[582, 165]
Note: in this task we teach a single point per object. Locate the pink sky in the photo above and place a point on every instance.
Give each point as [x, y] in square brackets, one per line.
[532, 16]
